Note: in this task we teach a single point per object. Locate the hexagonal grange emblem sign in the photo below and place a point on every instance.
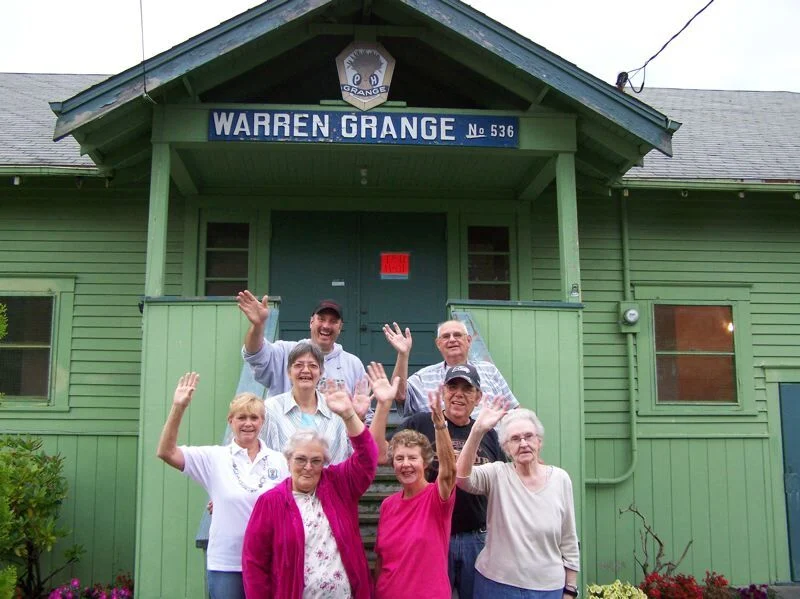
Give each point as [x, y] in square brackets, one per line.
[365, 74]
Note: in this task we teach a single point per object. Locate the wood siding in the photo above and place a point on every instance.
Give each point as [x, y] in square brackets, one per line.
[99, 237]
[713, 479]
[180, 336]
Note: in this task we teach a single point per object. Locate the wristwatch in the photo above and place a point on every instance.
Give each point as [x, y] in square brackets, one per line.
[570, 589]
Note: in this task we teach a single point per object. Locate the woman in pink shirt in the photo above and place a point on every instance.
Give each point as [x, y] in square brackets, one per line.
[414, 524]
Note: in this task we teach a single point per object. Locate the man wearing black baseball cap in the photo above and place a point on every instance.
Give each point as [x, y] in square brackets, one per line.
[268, 360]
[462, 392]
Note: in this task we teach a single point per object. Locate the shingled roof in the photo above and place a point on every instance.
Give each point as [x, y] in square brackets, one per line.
[26, 121]
[727, 135]
[749, 136]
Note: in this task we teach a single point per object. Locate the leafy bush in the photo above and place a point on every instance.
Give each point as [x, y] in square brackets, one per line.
[716, 586]
[35, 491]
[615, 590]
[8, 573]
[754, 591]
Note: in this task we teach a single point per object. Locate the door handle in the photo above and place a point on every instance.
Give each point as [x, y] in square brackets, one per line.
[363, 328]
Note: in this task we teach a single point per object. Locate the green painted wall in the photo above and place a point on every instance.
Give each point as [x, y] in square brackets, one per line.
[180, 336]
[97, 236]
[716, 478]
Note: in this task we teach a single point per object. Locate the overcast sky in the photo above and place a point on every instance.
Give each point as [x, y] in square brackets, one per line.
[734, 44]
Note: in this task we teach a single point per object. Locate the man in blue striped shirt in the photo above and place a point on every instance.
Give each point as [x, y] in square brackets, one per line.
[453, 341]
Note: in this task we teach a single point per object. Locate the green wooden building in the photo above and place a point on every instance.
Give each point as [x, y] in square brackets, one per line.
[647, 306]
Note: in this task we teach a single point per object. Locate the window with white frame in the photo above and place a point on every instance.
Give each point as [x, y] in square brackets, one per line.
[34, 354]
[695, 349]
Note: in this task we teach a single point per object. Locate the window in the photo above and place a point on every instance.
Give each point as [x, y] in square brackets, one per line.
[34, 355]
[694, 349]
[695, 358]
[227, 258]
[490, 263]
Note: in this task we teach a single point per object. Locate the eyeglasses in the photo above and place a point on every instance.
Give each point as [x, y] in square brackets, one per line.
[527, 437]
[301, 461]
[455, 335]
[312, 366]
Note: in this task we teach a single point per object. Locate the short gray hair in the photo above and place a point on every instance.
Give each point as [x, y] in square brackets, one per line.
[303, 348]
[304, 437]
[441, 324]
[515, 415]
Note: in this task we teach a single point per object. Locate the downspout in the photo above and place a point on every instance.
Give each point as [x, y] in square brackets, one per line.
[628, 295]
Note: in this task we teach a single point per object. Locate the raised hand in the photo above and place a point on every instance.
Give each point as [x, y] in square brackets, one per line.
[361, 400]
[185, 389]
[383, 391]
[337, 399]
[492, 412]
[399, 340]
[435, 401]
[255, 311]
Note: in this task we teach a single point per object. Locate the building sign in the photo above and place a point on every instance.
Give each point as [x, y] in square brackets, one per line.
[395, 265]
[364, 128]
[365, 74]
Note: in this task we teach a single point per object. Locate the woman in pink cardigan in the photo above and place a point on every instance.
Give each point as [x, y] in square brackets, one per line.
[303, 535]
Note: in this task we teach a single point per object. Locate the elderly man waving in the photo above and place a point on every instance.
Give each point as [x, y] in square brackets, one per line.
[453, 341]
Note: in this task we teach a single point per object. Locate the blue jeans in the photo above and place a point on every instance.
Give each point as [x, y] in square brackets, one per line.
[489, 589]
[225, 585]
[464, 550]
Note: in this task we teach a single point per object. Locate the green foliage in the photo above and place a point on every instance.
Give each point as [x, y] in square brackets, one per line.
[616, 590]
[3, 320]
[8, 573]
[35, 490]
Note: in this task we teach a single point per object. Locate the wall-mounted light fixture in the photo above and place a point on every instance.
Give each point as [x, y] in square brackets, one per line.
[16, 180]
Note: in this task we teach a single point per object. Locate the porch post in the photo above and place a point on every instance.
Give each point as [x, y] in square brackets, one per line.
[568, 228]
[157, 221]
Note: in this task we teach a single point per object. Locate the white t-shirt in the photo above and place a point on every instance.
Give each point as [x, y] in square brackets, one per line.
[234, 484]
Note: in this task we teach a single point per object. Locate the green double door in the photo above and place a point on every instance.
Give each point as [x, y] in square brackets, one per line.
[381, 267]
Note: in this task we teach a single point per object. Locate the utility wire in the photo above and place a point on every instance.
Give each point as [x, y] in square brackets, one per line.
[144, 66]
[626, 76]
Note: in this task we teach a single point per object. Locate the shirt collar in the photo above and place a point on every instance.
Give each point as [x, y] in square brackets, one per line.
[288, 404]
[237, 449]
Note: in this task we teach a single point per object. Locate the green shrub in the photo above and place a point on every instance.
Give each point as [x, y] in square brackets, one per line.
[35, 490]
[8, 573]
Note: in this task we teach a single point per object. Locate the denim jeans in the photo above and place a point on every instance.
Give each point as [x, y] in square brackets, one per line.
[225, 585]
[464, 550]
[489, 589]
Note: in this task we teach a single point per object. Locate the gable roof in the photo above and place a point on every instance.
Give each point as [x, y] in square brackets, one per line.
[727, 135]
[26, 122]
[581, 90]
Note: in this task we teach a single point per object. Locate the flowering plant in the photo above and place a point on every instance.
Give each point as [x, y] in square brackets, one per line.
[716, 586]
[755, 591]
[122, 589]
[615, 590]
[677, 586]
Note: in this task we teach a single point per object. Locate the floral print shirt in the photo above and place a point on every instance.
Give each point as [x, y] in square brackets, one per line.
[323, 570]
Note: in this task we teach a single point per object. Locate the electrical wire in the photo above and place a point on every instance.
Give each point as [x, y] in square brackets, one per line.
[625, 76]
[144, 66]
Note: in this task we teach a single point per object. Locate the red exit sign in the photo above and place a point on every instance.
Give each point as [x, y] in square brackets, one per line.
[395, 265]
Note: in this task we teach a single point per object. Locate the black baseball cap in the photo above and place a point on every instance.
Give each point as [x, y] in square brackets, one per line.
[463, 371]
[329, 304]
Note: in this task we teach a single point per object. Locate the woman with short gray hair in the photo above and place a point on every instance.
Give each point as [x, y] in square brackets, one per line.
[303, 539]
[303, 407]
[532, 545]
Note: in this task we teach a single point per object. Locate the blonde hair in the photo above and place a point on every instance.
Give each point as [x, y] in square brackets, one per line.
[412, 438]
[248, 403]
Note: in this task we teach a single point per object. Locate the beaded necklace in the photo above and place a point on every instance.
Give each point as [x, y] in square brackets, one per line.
[261, 480]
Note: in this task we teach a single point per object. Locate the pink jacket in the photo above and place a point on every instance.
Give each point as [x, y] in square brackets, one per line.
[274, 542]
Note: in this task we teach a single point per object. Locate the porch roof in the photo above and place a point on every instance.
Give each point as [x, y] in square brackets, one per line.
[615, 129]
